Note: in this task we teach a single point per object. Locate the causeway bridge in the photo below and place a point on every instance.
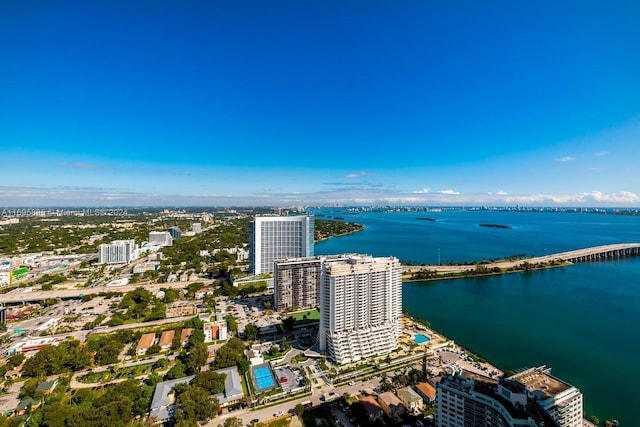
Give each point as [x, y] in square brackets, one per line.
[596, 253]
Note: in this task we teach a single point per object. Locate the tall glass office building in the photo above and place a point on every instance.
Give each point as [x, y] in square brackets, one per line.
[279, 237]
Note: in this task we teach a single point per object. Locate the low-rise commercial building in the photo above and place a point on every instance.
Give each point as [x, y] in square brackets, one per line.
[181, 308]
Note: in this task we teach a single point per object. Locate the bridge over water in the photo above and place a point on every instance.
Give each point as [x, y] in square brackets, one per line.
[593, 254]
[596, 253]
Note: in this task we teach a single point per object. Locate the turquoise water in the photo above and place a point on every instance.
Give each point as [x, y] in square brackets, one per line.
[264, 379]
[419, 339]
[580, 320]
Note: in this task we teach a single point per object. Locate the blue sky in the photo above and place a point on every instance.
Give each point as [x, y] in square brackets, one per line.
[305, 103]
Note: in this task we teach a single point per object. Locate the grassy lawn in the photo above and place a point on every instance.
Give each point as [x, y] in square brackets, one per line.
[278, 422]
[313, 314]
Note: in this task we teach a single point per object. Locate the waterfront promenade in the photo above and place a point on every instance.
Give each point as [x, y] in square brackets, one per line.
[595, 253]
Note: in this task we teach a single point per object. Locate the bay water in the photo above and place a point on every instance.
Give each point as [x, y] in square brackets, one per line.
[581, 320]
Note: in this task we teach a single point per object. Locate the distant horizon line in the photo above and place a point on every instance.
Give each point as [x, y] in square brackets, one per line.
[312, 206]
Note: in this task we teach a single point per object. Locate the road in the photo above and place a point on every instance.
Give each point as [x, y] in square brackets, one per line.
[262, 414]
[36, 295]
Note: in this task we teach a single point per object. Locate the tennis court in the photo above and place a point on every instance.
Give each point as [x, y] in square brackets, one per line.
[263, 377]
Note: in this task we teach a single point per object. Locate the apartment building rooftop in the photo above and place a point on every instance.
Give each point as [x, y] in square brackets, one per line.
[539, 379]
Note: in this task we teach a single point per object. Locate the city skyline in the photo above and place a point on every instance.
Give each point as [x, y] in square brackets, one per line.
[287, 103]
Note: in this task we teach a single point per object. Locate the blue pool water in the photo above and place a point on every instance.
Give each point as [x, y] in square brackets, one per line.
[264, 379]
[419, 338]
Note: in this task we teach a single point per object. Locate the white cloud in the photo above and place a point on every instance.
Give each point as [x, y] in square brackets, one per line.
[93, 196]
[565, 159]
[601, 153]
[423, 191]
[355, 175]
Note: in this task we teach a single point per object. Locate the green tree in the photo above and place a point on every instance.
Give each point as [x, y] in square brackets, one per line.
[29, 388]
[299, 410]
[154, 349]
[196, 358]
[176, 371]
[108, 352]
[284, 345]
[175, 342]
[57, 414]
[229, 354]
[251, 331]
[243, 366]
[192, 288]
[210, 381]
[194, 404]
[197, 337]
[232, 422]
[232, 323]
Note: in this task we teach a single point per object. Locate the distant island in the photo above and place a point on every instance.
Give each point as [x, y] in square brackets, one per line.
[426, 219]
[495, 225]
[326, 229]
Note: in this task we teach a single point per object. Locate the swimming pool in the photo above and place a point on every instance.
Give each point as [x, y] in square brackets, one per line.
[420, 338]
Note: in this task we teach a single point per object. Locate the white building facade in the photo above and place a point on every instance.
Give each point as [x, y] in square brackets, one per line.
[562, 401]
[118, 252]
[160, 238]
[279, 237]
[531, 398]
[360, 307]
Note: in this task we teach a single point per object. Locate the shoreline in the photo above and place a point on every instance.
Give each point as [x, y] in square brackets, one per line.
[346, 233]
[469, 275]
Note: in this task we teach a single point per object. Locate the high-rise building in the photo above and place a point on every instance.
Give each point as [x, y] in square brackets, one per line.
[470, 400]
[561, 400]
[196, 227]
[279, 237]
[117, 252]
[175, 232]
[297, 281]
[160, 238]
[360, 307]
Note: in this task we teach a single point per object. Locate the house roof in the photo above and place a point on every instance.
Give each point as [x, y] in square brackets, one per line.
[146, 341]
[427, 389]
[47, 385]
[232, 385]
[370, 405]
[389, 398]
[167, 337]
[409, 395]
[185, 334]
[25, 403]
[160, 402]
